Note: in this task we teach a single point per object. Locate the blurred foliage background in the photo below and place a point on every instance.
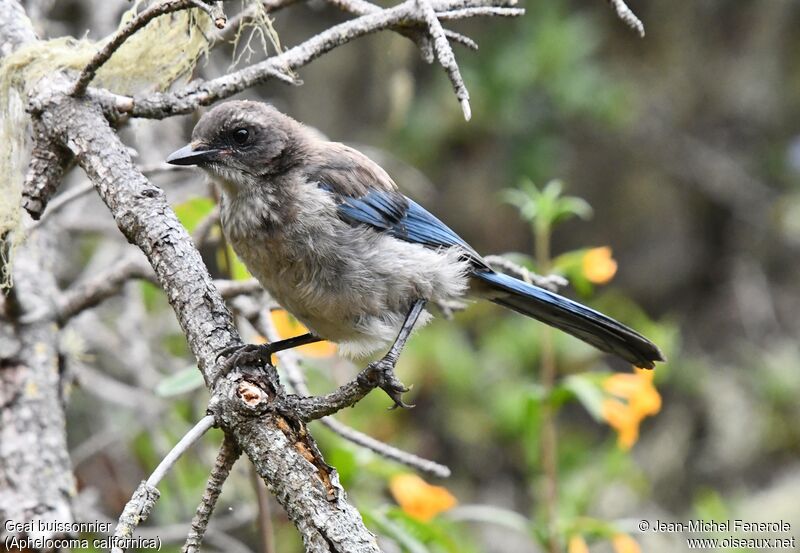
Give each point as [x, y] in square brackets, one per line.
[685, 144]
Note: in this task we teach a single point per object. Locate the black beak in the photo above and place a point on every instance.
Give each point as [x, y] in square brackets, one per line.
[189, 156]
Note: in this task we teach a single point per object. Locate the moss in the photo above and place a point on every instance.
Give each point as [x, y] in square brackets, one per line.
[163, 52]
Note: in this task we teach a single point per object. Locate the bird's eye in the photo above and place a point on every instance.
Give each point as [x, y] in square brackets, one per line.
[240, 136]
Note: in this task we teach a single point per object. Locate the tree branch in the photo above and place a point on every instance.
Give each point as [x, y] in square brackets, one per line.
[196, 432]
[118, 39]
[214, 11]
[201, 93]
[49, 162]
[136, 511]
[227, 456]
[108, 283]
[138, 508]
[100, 287]
[627, 16]
[445, 55]
[549, 282]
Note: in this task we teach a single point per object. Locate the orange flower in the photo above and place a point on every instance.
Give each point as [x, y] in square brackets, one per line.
[288, 327]
[598, 266]
[623, 543]
[577, 544]
[419, 499]
[633, 398]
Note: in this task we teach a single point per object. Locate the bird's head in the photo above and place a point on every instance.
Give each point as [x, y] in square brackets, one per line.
[240, 141]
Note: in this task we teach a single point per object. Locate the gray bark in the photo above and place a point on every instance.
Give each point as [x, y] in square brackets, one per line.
[36, 481]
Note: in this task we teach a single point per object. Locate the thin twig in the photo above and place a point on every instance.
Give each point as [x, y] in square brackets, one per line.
[104, 54]
[385, 450]
[363, 7]
[201, 93]
[627, 16]
[102, 386]
[549, 438]
[480, 12]
[311, 408]
[138, 509]
[214, 11]
[103, 285]
[265, 527]
[197, 431]
[445, 55]
[108, 283]
[227, 456]
[232, 288]
[550, 282]
[60, 201]
[464, 40]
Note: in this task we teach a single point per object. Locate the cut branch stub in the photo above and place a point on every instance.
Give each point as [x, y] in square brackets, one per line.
[49, 162]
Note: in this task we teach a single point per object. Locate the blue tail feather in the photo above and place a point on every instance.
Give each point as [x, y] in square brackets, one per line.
[573, 318]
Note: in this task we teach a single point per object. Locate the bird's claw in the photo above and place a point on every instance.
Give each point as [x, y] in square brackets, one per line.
[244, 354]
[381, 375]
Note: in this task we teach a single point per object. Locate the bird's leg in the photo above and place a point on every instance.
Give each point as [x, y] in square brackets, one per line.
[261, 353]
[381, 373]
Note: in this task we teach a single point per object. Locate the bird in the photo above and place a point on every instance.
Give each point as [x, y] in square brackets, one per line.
[328, 234]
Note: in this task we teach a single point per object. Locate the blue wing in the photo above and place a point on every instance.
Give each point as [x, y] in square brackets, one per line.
[390, 212]
[403, 218]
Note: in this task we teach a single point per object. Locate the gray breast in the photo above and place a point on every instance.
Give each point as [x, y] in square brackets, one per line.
[348, 284]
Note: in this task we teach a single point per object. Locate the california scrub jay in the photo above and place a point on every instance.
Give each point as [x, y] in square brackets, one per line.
[325, 230]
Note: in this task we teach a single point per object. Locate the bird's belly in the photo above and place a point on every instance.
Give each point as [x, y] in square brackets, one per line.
[355, 291]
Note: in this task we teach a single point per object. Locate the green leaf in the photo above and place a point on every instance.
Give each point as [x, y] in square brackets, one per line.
[570, 264]
[152, 296]
[181, 382]
[191, 212]
[709, 505]
[572, 206]
[237, 269]
[435, 532]
[546, 207]
[587, 388]
[397, 532]
[493, 515]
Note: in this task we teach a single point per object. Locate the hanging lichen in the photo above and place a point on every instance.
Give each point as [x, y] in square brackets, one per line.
[158, 55]
[257, 26]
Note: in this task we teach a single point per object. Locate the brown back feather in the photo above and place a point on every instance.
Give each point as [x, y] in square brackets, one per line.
[347, 171]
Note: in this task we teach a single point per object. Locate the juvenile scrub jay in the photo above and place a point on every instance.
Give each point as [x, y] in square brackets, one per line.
[326, 232]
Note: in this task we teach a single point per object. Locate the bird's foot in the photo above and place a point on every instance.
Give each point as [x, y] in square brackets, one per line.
[244, 354]
[380, 374]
